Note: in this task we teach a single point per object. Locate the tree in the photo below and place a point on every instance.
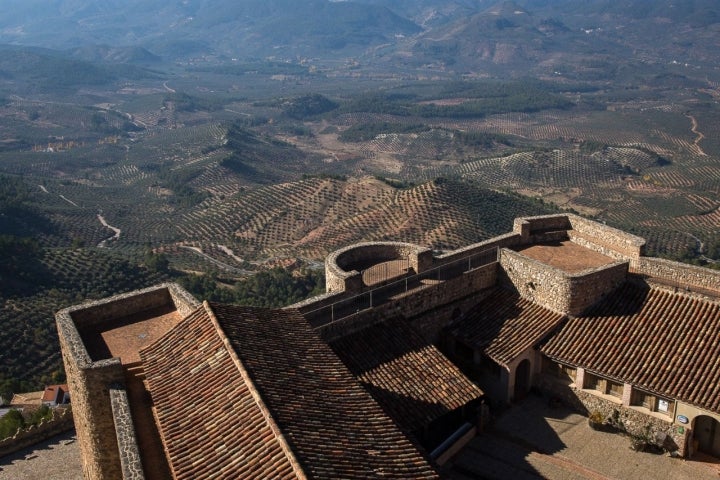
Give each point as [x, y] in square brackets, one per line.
[10, 423]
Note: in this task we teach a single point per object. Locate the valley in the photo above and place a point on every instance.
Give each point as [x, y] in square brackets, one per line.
[236, 175]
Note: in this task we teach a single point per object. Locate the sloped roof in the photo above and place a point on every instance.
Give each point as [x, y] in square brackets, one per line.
[28, 398]
[51, 393]
[667, 343]
[332, 424]
[246, 392]
[407, 375]
[208, 418]
[504, 325]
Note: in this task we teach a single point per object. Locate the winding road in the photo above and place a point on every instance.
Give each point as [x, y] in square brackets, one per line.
[699, 136]
[107, 225]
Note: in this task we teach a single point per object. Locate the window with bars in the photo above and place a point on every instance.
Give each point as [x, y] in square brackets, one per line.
[653, 402]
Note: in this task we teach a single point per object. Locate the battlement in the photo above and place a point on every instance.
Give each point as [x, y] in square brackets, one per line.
[99, 341]
[562, 263]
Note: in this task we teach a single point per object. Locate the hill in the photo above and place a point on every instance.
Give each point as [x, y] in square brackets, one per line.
[462, 35]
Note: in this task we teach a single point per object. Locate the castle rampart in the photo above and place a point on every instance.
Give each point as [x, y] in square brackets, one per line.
[553, 288]
[93, 365]
[679, 274]
[343, 267]
[417, 302]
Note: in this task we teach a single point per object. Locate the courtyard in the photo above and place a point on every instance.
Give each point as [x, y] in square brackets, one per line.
[533, 440]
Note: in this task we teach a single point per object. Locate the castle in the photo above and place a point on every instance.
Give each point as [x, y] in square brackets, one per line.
[359, 382]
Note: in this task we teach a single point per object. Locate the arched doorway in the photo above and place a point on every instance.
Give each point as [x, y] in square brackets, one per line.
[706, 432]
[522, 380]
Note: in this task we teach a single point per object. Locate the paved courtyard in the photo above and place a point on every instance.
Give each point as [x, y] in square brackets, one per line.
[54, 459]
[531, 441]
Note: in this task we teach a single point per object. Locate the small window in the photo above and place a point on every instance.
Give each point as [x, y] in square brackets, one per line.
[615, 389]
[652, 402]
[593, 382]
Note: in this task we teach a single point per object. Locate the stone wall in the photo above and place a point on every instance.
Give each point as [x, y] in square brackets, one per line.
[342, 267]
[555, 289]
[130, 461]
[596, 236]
[681, 275]
[508, 240]
[94, 422]
[118, 306]
[535, 280]
[62, 421]
[541, 227]
[592, 286]
[90, 381]
[634, 421]
[417, 303]
[607, 240]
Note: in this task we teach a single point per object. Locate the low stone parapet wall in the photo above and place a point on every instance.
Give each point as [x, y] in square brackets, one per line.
[62, 421]
[130, 462]
[680, 275]
[416, 302]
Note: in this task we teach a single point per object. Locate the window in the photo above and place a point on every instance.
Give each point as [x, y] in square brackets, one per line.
[593, 382]
[603, 385]
[615, 389]
[653, 402]
[558, 370]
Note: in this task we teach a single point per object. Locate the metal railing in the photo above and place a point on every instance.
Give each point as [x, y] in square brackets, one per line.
[382, 294]
[385, 271]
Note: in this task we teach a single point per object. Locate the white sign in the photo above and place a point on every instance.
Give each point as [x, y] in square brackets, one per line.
[663, 405]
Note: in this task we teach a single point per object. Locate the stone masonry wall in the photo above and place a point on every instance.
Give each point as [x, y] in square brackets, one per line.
[62, 421]
[591, 287]
[535, 281]
[342, 266]
[130, 461]
[90, 381]
[416, 303]
[554, 289]
[607, 240]
[91, 403]
[94, 421]
[634, 421]
[680, 274]
[118, 306]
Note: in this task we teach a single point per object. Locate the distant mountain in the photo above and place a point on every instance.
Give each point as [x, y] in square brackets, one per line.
[106, 54]
[520, 36]
[34, 69]
[217, 27]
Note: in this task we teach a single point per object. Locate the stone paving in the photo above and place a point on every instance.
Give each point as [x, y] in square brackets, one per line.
[531, 441]
[55, 459]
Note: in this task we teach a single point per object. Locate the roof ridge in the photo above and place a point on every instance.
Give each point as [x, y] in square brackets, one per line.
[257, 396]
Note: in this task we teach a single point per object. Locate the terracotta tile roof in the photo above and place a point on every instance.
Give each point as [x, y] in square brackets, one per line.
[208, 419]
[408, 376]
[505, 325]
[665, 342]
[52, 392]
[245, 392]
[332, 424]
